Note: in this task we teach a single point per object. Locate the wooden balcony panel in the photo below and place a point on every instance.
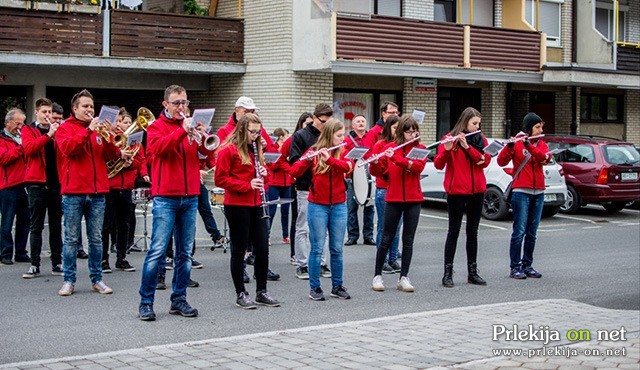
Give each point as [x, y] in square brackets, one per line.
[389, 39]
[50, 32]
[176, 36]
[628, 59]
[505, 49]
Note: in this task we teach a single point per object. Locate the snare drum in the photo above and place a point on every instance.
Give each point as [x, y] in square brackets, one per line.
[363, 184]
[141, 195]
[217, 196]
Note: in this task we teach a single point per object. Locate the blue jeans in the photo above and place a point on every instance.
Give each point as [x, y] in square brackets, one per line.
[323, 219]
[527, 210]
[283, 192]
[353, 227]
[167, 212]
[14, 203]
[204, 209]
[73, 208]
[380, 204]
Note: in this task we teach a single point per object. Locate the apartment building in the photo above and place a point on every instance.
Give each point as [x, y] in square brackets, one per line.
[575, 62]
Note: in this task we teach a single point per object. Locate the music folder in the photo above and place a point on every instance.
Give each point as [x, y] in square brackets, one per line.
[134, 139]
[271, 157]
[203, 115]
[494, 148]
[418, 153]
[108, 114]
[357, 153]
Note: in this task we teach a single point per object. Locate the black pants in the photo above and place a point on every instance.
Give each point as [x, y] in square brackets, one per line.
[117, 212]
[294, 217]
[392, 214]
[246, 226]
[457, 205]
[43, 200]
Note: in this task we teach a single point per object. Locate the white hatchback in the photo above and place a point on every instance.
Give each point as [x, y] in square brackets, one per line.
[498, 178]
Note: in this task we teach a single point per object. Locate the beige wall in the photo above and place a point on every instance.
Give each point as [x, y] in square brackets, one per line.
[513, 15]
[426, 102]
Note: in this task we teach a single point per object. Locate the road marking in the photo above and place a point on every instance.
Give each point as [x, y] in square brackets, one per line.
[592, 227]
[550, 230]
[576, 218]
[463, 221]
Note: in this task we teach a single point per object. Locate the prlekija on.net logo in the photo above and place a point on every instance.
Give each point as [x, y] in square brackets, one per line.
[545, 334]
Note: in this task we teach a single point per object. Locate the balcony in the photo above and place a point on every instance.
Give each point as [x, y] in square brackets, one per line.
[115, 36]
[440, 44]
[628, 58]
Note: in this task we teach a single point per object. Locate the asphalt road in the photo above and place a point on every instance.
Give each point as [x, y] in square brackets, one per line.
[591, 257]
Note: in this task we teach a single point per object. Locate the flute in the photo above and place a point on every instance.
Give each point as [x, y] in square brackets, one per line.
[305, 157]
[375, 157]
[451, 139]
[263, 195]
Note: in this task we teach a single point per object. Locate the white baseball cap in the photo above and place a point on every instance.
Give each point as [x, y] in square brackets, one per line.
[246, 103]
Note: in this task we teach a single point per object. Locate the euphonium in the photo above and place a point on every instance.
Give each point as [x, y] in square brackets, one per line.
[144, 119]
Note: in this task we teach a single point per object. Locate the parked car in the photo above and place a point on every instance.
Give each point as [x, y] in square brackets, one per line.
[598, 170]
[498, 178]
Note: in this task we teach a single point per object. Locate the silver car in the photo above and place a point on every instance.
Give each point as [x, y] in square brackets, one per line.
[498, 178]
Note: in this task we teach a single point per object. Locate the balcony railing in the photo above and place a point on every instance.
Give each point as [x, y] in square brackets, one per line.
[628, 58]
[132, 34]
[401, 40]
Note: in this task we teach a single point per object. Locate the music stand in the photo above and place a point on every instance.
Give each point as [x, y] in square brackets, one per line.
[145, 234]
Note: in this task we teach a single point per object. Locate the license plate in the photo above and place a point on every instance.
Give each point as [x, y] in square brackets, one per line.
[550, 197]
[629, 176]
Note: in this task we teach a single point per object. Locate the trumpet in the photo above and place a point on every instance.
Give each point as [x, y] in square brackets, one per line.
[210, 142]
[451, 139]
[101, 129]
[305, 157]
[375, 157]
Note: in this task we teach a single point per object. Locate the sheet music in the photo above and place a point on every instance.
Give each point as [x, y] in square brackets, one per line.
[271, 157]
[494, 148]
[203, 115]
[108, 114]
[134, 139]
[357, 153]
[418, 115]
[418, 153]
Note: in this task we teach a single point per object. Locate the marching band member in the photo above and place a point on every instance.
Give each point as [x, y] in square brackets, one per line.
[13, 197]
[173, 148]
[464, 162]
[327, 209]
[527, 197]
[82, 150]
[280, 184]
[241, 172]
[404, 197]
[43, 187]
[379, 170]
[386, 109]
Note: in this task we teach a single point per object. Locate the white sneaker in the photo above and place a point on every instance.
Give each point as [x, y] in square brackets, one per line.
[378, 285]
[101, 288]
[67, 289]
[404, 284]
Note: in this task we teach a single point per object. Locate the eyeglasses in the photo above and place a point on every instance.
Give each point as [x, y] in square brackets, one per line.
[411, 132]
[393, 112]
[178, 103]
[254, 132]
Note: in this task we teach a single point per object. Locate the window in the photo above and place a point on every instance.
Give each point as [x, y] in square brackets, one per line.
[387, 7]
[621, 154]
[601, 108]
[574, 152]
[605, 21]
[348, 103]
[482, 12]
[549, 20]
[444, 11]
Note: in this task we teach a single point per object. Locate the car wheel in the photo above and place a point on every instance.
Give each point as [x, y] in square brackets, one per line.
[550, 211]
[573, 203]
[494, 207]
[614, 207]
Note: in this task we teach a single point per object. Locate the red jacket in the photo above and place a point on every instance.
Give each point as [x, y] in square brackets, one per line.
[462, 173]
[227, 130]
[81, 158]
[12, 162]
[379, 169]
[532, 174]
[279, 174]
[235, 178]
[373, 135]
[33, 142]
[126, 178]
[175, 168]
[404, 174]
[328, 188]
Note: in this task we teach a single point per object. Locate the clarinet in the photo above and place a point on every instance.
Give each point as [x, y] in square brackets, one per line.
[263, 196]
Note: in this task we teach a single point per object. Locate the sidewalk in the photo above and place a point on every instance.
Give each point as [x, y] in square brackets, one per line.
[458, 338]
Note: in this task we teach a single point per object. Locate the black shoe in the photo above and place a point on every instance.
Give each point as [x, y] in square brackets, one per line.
[243, 301]
[34, 271]
[369, 242]
[193, 284]
[196, 265]
[271, 276]
[447, 279]
[395, 265]
[145, 312]
[473, 277]
[6, 261]
[302, 273]
[316, 294]
[161, 284]
[23, 258]
[351, 242]
[124, 265]
[387, 269]
[245, 276]
[219, 242]
[263, 298]
[340, 292]
[182, 308]
[82, 255]
[251, 259]
[57, 270]
[530, 272]
[106, 269]
[325, 272]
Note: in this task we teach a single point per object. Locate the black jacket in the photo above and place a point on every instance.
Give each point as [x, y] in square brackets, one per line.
[301, 141]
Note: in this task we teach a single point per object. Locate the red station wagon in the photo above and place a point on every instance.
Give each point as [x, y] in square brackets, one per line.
[597, 170]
